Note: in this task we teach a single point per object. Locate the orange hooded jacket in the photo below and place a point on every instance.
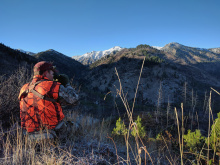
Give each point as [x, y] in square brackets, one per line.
[39, 112]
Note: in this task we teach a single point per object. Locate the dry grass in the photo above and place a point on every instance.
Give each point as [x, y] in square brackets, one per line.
[80, 147]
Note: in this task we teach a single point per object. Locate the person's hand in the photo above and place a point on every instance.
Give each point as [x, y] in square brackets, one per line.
[63, 79]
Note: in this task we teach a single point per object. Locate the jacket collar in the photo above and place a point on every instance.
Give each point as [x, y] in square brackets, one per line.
[38, 78]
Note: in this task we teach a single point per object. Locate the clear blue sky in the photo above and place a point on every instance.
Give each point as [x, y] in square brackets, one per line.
[75, 27]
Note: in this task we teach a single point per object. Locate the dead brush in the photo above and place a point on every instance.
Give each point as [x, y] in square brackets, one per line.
[9, 91]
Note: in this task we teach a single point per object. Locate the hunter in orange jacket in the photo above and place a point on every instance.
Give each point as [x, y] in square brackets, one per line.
[40, 100]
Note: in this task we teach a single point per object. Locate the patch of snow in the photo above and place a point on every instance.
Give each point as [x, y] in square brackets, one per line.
[157, 47]
[98, 54]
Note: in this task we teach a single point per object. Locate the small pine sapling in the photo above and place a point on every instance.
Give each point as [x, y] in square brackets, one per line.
[120, 128]
[194, 140]
[139, 128]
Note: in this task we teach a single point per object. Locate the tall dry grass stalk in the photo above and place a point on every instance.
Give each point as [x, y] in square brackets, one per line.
[179, 134]
[168, 110]
[209, 125]
[132, 125]
[210, 109]
[159, 103]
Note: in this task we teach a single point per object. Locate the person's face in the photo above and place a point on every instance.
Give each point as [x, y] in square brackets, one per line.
[49, 75]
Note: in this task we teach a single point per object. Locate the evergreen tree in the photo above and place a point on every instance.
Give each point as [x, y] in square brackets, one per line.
[120, 128]
[140, 129]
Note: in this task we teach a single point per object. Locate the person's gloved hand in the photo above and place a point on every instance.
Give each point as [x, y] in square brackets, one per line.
[55, 76]
[63, 79]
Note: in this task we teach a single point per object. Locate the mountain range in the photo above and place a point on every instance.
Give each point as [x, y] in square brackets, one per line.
[174, 51]
[190, 55]
[165, 73]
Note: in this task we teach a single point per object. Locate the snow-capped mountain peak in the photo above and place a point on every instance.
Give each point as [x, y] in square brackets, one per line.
[96, 55]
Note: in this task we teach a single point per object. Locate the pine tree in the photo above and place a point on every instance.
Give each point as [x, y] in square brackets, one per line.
[139, 128]
[120, 128]
[194, 140]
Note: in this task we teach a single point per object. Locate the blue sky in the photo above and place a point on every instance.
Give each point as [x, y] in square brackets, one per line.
[75, 27]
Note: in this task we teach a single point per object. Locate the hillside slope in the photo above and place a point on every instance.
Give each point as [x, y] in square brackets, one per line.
[63, 63]
[161, 76]
[188, 55]
[12, 59]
